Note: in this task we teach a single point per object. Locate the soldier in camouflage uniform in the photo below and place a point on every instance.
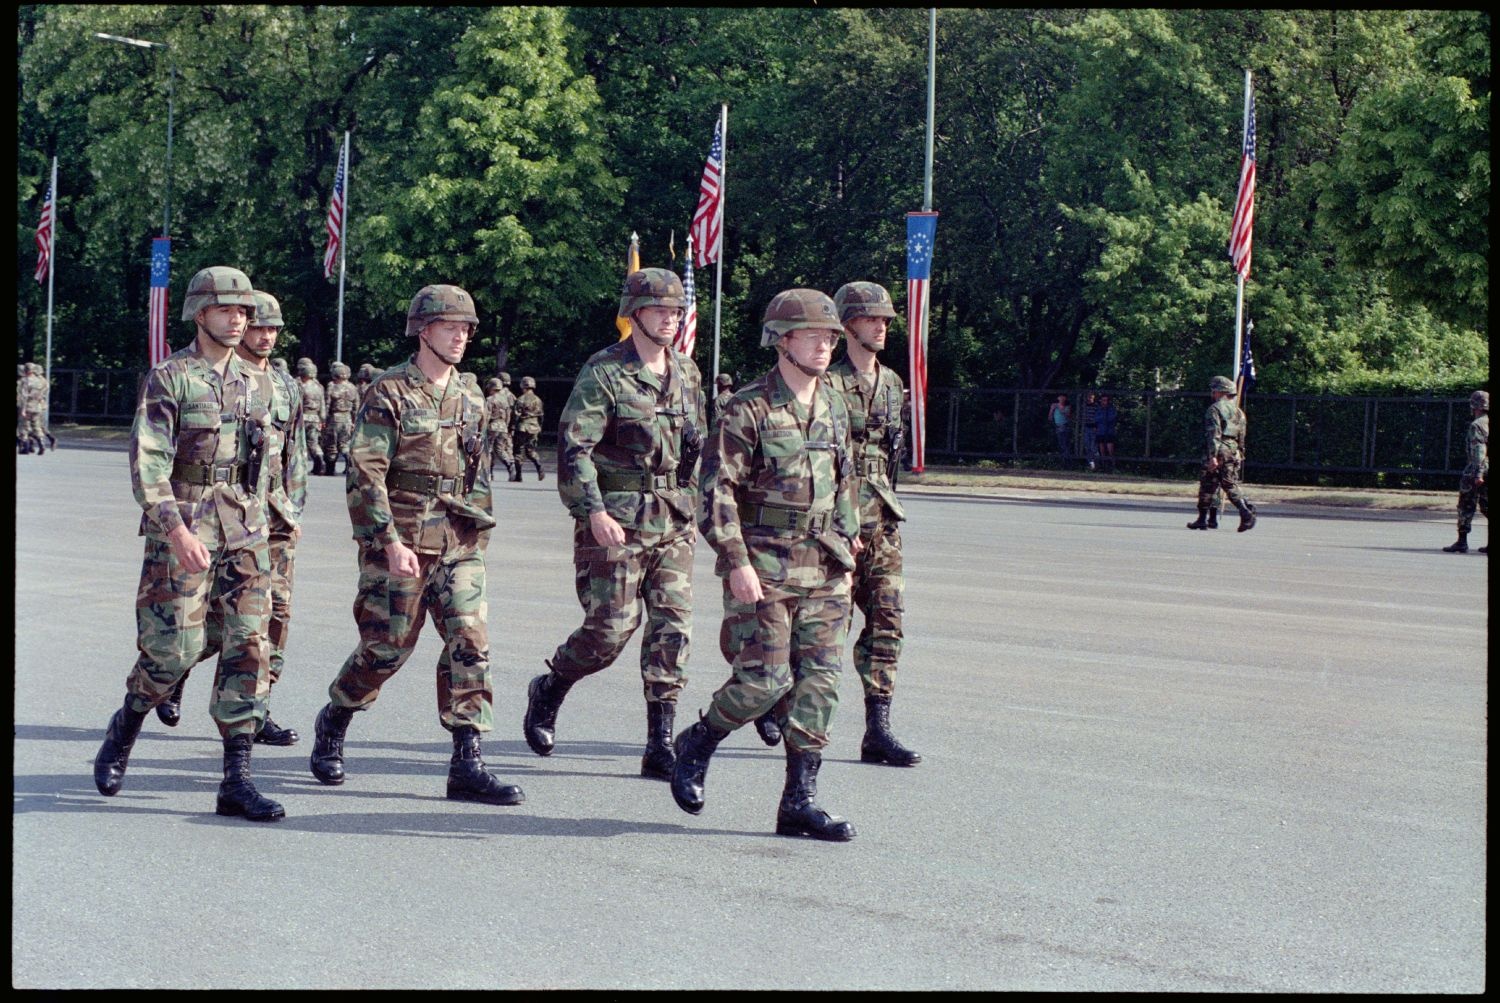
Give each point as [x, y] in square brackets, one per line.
[363, 377]
[343, 401]
[23, 445]
[196, 464]
[716, 408]
[1473, 491]
[314, 411]
[420, 504]
[628, 446]
[528, 420]
[499, 402]
[33, 400]
[1223, 455]
[779, 511]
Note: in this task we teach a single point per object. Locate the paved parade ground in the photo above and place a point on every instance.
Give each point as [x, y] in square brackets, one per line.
[1154, 760]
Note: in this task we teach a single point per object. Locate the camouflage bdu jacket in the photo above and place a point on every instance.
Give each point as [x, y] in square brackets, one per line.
[33, 396]
[191, 450]
[498, 406]
[778, 493]
[875, 418]
[1477, 448]
[286, 456]
[1223, 430]
[343, 400]
[620, 440]
[414, 470]
[314, 402]
[528, 413]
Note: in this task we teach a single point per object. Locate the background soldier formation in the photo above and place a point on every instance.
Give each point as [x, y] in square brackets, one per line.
[500, 406]
[32, 390]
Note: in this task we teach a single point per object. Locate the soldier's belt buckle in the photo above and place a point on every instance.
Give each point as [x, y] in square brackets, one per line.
[447, 485]
[224, 474]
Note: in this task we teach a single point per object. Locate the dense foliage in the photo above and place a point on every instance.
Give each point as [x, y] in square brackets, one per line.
[1085, 164]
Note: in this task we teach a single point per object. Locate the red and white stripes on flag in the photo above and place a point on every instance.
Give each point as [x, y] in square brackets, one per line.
[161, 271]
[1243, 221]
[687, 334]
[921, 231]
[708, 219]
[44, 236]
[335, 221]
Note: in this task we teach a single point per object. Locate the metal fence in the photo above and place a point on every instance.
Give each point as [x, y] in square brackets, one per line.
[1313, 434]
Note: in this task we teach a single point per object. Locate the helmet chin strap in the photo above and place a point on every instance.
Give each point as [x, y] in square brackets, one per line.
[807, 370]
[659, 340]
[866, 345]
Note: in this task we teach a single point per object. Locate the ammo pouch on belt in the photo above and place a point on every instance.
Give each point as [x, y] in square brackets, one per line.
[431, 485]
[865, 465]
[637, 481]
[207, 474]
[788, 520]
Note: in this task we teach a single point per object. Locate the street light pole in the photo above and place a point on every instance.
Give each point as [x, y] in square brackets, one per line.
[140, 43]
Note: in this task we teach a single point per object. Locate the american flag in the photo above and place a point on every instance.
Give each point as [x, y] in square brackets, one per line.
[336, 212]
[1244, 206]
[161, 273]
[921, 231]
[44, 237]
[1247, 364]
[708, 219]
[687, 334]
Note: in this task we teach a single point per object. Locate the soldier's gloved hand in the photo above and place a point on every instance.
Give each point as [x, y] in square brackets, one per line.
[744, 584]
[188, 550]
[402, 560]
[607, 532]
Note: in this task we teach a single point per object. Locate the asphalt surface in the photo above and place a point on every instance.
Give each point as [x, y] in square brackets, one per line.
[1155, 760]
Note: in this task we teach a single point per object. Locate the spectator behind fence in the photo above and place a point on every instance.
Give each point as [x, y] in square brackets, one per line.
[1061, 415]
[1108, 418]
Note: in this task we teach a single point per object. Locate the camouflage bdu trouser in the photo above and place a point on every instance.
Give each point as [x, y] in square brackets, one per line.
[1470, 497]
[878, 588]
[336, 436]
[283, 551]
[36, 428]
[500, 449]
[786, 652]
[526, 447]
[314, 432]
[612, 583]
[1226, 475]
[389, 611]
[172, 608]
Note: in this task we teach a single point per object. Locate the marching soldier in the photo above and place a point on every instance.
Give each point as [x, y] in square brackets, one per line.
[1473, 491]
[420, 503]
[1223, 455]
[34, 393]
[725, 386]
[628, 446]
[314, 411]
[528, 419]
[196, 464]
[23, 444]
[363, 377]
[499, 403]
[779, 511]
[343, 401]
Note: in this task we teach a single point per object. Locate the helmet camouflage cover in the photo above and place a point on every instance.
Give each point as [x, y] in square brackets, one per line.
[366, 372]
[439, 303]
[339, 369]
[863, 299]
[527, 383]
[723, 380]
[504, 379]
[267, 311]
[279, 363]
[1221, 384]
[491, 385]
[797, 310]
[651, 287]
[217, 286]
[1480, 399]
[306, 367]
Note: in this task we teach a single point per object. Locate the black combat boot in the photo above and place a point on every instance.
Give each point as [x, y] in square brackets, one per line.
[543, 698]
[468, 780]
[539, 474]
[327, 759]
[41, 447]
[1213, 519]
[51, 442]
[1247, 516]
[798, 814]
[272, 733]
[767, 728]
[693, 747]
[1459, 546]
[659, 759]
[879, 745]
[237, 795]
[114, 754]
[515, 471]
[1202, 521]
[170, 709]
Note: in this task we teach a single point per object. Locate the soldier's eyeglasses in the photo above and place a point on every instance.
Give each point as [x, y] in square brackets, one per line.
[814, 338]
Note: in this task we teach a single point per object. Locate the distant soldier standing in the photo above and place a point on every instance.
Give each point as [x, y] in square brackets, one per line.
[628, 445]
[1473, 491]
[499, 403]
[725, 386]
[343, 401]
[314, 411]
[528, 419]
[422, 511]
[23, 444]
[779, 511]
[35, 390]
[1223, 455]
[196, 453]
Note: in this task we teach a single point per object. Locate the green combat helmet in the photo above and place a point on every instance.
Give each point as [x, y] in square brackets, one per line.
[439, 303]
[491, 385]
[527, 383]
[651, 287]
[267, 311]
[796, 310]
[279, 363]
[863, 299]
[1480, 399]
[504, 379]
[217, 286]
[723, 380]
[1221, 384]
[307, 367]
[339, 371]
[469, 380]
[366, 373]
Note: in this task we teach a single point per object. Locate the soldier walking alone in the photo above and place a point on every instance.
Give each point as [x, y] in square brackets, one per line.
[1223, 456]
[1473, 490]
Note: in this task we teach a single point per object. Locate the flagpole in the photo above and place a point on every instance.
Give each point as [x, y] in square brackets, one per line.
[338, 352]
[723, 196]
[51, 270]
[931, 104]
[1239, 296]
